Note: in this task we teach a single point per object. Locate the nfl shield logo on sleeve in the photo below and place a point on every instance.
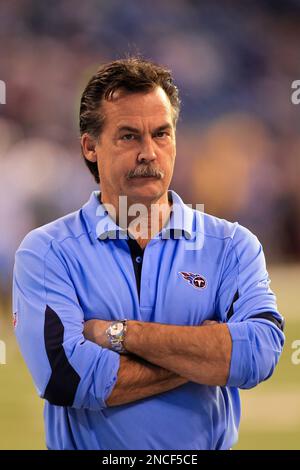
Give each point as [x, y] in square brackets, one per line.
[15, 319]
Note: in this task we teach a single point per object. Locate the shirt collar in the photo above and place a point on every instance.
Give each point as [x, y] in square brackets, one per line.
[101, 226]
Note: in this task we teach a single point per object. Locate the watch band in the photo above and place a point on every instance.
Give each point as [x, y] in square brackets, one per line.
[116, 341]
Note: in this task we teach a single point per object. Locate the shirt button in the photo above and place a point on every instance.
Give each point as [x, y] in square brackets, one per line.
[138, 259]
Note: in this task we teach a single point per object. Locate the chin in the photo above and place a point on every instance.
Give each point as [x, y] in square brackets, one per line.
[149, 190]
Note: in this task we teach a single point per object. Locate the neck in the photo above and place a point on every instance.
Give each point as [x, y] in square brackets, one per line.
[142, 219]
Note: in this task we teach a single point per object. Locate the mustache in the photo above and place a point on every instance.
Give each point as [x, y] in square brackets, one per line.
[145, 171]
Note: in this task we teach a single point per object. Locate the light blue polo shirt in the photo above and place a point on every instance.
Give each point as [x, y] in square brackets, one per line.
[198, 267]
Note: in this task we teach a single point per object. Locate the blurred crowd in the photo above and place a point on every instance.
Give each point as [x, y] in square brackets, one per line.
[238, 136]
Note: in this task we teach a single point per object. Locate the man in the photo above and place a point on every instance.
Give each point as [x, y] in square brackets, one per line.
[138, 331]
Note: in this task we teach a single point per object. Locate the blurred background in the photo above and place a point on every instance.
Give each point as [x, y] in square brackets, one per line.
[238, 152]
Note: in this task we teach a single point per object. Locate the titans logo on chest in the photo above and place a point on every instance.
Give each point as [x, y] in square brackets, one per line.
[195, 280]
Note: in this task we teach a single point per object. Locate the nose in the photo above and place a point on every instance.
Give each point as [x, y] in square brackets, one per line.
[147, 151]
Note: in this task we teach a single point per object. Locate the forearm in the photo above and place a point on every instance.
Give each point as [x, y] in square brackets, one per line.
[200, 353]
[139, 379]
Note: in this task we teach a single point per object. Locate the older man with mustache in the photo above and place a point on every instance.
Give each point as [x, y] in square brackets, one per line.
[139, 318]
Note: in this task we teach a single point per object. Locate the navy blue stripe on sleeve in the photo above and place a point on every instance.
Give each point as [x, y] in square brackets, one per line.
[270, 316]
[64, 380]
[230, 311]
[265, 315]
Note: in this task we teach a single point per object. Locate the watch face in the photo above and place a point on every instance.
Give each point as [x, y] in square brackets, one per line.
[116, 329]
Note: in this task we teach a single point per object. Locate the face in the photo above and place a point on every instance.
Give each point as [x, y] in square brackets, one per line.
[136, 150]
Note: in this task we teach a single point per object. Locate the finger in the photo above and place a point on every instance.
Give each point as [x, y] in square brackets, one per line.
[209, 322]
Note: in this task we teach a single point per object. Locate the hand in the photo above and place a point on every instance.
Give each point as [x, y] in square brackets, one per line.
[95, 331]
[209, 322]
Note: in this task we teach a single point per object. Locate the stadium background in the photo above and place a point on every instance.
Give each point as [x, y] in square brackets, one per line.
[238, 152]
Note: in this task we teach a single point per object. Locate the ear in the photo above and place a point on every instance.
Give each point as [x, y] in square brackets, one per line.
[88, 145]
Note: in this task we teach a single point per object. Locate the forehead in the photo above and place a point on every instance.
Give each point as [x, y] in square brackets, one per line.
[134, 107]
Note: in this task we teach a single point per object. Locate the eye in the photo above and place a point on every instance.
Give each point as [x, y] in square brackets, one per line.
[161, 134]
[128, 137]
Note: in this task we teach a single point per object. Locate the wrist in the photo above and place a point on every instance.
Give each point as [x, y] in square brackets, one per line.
[132, 336]
[94, 330]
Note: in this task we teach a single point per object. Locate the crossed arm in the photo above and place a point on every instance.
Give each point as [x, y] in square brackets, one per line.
[163, 357]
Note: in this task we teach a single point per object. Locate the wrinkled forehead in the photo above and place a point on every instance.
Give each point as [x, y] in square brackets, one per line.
[154, 104]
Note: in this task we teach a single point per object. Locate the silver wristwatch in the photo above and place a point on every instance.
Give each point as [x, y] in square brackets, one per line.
[116, 335]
